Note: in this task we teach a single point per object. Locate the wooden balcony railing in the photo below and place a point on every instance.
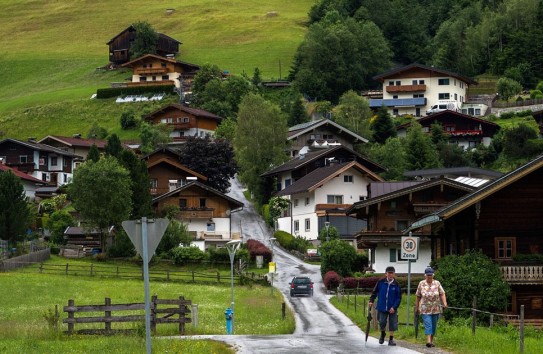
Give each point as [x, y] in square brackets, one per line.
[196, 213]
[150, 71]
[464, 132]
[526, 274]
[405, 88]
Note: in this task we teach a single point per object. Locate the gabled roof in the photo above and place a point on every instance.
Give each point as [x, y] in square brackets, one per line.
[40, 147]
[172, 150]
[188, 66]
[322, 175]
[310, 157]
[452, 172]
[132, 29]
[233, 202]
[176, 165]
[194, 111]
[441, 72]
[21, 175]
[75, 142]
[300, 129]
[428, 120]
[480, 194]
[379, 188]
[412, 189]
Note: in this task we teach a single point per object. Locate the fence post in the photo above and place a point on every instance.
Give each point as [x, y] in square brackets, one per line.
[168, 275]
[91, 266]
[283, 311]
[41, 267]
[66, 268]
[182, 314]
[70, 316]
[355, 297]
[473, 315]
[153, 313]
[193, 276]
[521, 329]
[107, 313]
[218, 277]
[117, 273]
[491, 320]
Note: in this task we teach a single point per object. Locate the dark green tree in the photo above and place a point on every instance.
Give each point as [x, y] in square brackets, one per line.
[227, 129]
[128, 120]
[94, 154]
[338, 256]
[207, 73]
[298, 113]
[14, 212]
[392, 156]
[211, 158]
[57, 223]
[97, 132]
[113, 146]
[175, 235]
[383, 126]
[257, 78]
[508, 88]
[145, 41]
[353, 112]
[101, 192]
[331, 234]
[472, 275]
[153, 136]
[516, 142]
[140, 184]
[420, 152]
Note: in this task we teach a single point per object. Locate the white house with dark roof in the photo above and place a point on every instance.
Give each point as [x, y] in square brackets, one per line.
[30, 184]
[413, 89]
[323, 195]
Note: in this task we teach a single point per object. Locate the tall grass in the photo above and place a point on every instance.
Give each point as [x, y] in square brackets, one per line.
[454, 337]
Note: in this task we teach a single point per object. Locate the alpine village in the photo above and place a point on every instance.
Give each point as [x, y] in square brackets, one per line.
[363, 134]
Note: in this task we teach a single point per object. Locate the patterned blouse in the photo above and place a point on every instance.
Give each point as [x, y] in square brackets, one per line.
[430, 302]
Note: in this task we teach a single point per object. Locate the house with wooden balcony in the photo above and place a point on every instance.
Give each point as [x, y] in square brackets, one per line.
[391, 208]
[322, 196]
[463, 130]
[30, 184]
[52, 165]
[503, 219]
[119, 46]
[414, 88]
[167, 173]
[185, 121]
[152, 69]
[206, 211]
[320, 134]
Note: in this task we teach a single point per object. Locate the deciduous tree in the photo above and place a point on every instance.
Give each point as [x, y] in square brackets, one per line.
[145, 41]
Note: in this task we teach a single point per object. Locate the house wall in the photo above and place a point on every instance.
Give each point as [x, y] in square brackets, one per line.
[176, 118]
[383, 258]
[352, 192]
[318, 135]
[163, 173]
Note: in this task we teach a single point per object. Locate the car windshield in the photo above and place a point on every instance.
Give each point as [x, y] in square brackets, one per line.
[301, 281]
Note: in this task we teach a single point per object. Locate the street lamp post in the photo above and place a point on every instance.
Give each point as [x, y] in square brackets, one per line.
[272, 243]
[327, 226]
[232, 247]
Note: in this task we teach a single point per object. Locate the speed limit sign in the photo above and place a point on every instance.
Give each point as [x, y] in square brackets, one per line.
[410, 247]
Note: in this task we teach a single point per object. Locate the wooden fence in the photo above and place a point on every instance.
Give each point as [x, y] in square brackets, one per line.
[134, 273]
[25, 259]
[177, 314]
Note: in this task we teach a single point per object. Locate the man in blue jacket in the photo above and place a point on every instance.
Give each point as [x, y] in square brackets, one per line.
[388, 294]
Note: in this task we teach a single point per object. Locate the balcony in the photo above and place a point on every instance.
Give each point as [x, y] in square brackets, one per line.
[150, 83]
[398, 102]
[424, 208]
[465, 132]
[26, 167]
[150, 71]
[406, 88]
[196, 213]
[526, 274]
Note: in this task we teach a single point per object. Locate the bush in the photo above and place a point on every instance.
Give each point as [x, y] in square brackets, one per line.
[338, 256]
[473, 275]
[267, 215]
[184, 255]
[331, 280]
[360, 262]
[257, 248]
[122, 246]
[128, 120]
[284, 239]
[369, 282]
[350, 283]
[535, 257]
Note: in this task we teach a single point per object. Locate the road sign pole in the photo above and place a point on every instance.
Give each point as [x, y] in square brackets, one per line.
[146, 283]
[408, 290]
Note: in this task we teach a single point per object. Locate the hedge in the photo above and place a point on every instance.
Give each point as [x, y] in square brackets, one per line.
[133, 90]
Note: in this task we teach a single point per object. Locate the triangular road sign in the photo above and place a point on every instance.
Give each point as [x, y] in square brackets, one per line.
[155, 231]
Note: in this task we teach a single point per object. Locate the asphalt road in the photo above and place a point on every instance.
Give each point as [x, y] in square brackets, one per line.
[320, 327]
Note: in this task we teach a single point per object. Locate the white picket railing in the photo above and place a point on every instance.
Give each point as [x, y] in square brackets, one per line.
[522, 274]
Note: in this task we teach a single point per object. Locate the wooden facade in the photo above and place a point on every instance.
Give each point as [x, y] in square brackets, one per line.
[119, 46]
[185, 121]
[502, 219]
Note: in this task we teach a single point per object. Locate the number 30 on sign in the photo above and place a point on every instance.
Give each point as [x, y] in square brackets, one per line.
[410, 247]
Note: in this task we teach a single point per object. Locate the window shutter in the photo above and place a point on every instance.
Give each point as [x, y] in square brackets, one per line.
[392, 255]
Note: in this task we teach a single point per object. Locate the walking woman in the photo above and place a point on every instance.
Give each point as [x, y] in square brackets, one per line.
[430, 301]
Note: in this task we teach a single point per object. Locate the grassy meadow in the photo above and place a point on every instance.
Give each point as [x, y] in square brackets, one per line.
[51, 51]
[28, 296]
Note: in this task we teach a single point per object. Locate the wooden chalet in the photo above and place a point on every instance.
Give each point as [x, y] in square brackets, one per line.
[119, 46]
[167, 173]
[153, 70]
[463, 130]
[391, 208]
[503, 219]
[74, 144]
[206, 211]
[185, 121]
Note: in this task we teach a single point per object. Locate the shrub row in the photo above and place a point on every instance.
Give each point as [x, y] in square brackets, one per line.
[291, 243]
[134, 90]
[333, 279]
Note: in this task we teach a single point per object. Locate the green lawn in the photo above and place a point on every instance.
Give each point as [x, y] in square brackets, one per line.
[27, 296]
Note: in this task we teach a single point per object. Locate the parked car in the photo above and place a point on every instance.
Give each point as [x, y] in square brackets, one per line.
[301, 286]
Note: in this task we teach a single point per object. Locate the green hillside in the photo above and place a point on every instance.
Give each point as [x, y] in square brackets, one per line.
[51, 49]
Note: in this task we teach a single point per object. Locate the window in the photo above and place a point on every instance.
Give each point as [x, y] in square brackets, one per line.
[307, 201]
[307, 224]
[65, 176]
[449, 128]
[472, 144]
[288, 182]
[334, 199]
[327, 136]
[348, 179]
[154, 183]
[361, 197]
[54, 160]
[421, 82]
[443, 81]
[391, 83]
[23, 159]
[154, 77]
[393, 204]
[143, 78]
[456, 97]
[395, 112]
[444, 96]
[186, 119]
[395, 97]
[505, 247]
[414, 82]
[477, 111]
[182, 203]
[295, 203]
[418, 95]
[315, 136]
[210, 226]
[163, 65]
[401, 225]
[65, 162]
[392, 255]
[165, 77]
[426, 129]
[398, 83]
[202, 202]
[296, 226]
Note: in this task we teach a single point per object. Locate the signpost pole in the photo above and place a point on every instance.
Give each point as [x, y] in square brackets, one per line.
[146, 283]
